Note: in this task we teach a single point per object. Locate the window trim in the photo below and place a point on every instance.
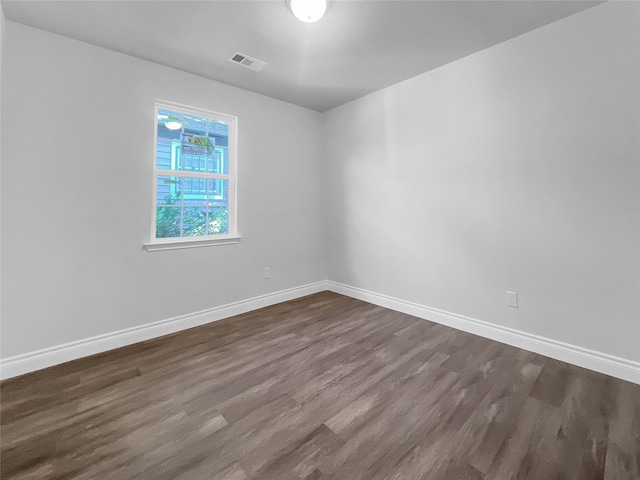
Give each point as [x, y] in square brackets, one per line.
[232, 237]
[186, 242]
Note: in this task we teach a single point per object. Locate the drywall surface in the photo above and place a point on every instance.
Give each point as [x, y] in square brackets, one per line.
[77, 131]
[516, 168]
[1, 50]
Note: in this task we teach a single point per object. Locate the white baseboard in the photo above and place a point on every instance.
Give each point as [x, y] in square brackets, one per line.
[582, 357]
[32, 361]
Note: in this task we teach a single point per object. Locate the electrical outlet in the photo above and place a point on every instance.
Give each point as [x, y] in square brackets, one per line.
[512, 299]
[267, 273]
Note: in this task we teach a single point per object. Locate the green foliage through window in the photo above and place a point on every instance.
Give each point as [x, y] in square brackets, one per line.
[173, 221]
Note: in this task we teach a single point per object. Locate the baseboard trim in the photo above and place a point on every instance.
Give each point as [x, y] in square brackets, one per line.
[582, 357]
[37, 360]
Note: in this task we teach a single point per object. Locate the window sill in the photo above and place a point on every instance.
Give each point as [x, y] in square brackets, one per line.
[176, 244]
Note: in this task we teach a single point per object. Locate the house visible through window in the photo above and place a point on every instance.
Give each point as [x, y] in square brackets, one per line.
[194, 174]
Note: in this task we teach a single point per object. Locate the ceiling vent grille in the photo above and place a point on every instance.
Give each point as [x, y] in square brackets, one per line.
[247, 61]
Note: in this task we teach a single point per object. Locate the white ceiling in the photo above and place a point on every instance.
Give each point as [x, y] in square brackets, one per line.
[358, 47]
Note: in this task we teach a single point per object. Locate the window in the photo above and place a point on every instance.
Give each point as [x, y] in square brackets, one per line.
[194, 200]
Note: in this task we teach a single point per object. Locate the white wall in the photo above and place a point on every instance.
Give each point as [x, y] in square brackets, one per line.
[516, 168]
[2, 28]
[77, 154]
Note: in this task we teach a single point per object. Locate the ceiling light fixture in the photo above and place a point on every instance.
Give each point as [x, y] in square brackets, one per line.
[308, 11]
[173, 125]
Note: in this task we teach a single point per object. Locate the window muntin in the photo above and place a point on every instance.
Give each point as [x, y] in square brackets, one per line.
[194, 181]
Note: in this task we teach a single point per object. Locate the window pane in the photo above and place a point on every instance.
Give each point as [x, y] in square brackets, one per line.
[218, 161]
[218, 128]
[169, 190]
[194, 163]
[195, 125]
[218, 203]
[197, 145]
[195, 221]
[163, 154]
[169, 207]
[169, 123]
[168, 221]
[195, 188]
[218, 192]
[218, 222]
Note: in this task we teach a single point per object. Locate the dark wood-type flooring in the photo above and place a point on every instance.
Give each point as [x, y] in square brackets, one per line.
[323, 387]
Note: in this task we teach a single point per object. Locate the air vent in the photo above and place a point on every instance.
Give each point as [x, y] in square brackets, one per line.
[247, 61]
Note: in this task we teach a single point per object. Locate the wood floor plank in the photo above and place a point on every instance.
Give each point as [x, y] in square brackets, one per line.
[302, 459]
[513, 460]
[623, 448]
[318, 388]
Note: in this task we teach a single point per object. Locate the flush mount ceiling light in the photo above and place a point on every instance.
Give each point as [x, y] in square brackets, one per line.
[308, 11]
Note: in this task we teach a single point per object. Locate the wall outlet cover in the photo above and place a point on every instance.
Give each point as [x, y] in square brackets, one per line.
[512, 299]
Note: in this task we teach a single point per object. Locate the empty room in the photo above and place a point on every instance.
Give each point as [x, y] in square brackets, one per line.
[320, 239]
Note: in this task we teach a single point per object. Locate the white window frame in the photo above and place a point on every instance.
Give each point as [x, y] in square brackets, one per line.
[158, 244]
